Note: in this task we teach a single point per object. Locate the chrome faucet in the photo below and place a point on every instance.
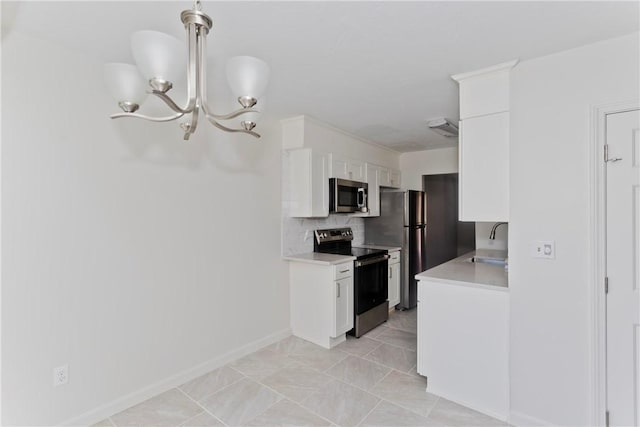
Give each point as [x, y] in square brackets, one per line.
[492, 235]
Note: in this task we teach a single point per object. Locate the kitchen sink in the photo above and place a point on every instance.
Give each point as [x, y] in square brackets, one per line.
[486, 260]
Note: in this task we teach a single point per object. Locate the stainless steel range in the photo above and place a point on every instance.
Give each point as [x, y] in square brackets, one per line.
[370, 280]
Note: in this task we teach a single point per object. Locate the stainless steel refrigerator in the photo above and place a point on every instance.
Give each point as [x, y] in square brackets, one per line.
[425, 225]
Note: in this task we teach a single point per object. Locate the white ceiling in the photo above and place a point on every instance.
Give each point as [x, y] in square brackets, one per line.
[379, 70]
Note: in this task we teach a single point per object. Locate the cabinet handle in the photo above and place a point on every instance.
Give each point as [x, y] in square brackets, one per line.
[344, 271]
[391, 273]
[338, 289]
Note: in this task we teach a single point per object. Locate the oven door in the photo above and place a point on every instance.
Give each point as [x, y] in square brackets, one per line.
[370, 283]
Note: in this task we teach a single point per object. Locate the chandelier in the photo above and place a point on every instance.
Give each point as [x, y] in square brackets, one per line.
[160, 59]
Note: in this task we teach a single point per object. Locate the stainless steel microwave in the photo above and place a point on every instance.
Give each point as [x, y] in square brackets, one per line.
[347, 196]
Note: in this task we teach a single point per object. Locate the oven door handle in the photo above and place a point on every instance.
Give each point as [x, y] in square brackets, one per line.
[371, 260]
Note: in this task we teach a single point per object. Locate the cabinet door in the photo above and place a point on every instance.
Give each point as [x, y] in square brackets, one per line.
[319, 184]
[484, 168]
[385, 177]
[355, 170]
[343, 303]
[394, 285]
[394, 179]
[421, 331]
[308, 183]
[339, 167]
[372, 178]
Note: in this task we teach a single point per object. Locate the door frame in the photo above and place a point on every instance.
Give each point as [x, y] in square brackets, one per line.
[597, 257]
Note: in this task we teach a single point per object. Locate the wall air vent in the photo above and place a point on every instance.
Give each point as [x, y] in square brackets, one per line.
[443, 127]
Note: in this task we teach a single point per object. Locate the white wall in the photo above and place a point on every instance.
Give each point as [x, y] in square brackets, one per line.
[551, 99]
[428, 162]
[125, 249]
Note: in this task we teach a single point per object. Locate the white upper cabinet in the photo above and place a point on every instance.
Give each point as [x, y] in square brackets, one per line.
[338, 167]
[484, 168]
[385, 177]
[484, 144]
[484, 91]
[355, 170]
[389, 177]
[308, 183]
[394, 178]
[372, 178]
[344, 168]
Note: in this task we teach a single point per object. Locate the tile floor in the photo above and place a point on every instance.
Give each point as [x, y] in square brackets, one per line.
[371, 381]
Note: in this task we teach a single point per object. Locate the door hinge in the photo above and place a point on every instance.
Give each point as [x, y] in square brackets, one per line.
[606, 285]
[606, 418]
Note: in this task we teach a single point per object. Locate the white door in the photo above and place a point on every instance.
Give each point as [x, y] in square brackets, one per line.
[623, 268]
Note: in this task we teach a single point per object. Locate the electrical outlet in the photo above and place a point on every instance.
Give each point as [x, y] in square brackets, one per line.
[543, 249]
[60, 375]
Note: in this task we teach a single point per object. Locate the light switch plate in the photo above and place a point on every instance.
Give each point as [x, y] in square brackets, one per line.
[543, 249]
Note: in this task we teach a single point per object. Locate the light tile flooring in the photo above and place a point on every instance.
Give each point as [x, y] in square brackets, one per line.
[371, 381]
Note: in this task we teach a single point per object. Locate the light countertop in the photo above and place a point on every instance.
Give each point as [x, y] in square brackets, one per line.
[384, 248]
[320, 258]
[460, 271]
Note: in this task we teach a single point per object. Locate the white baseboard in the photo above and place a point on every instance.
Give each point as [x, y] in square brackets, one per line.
[522, 420]
[103, 411]
[496, 415]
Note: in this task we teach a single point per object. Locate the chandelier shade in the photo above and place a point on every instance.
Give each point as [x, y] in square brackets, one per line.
[126, 85]
[159, 56]
[247, 76]
[161, 59]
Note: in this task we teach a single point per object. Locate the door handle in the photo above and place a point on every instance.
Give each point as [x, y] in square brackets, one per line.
[338, 289]
[391, 273]
[606, 156]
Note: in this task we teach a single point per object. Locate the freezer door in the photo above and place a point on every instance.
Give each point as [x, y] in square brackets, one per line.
[414, 260]
[415, 208]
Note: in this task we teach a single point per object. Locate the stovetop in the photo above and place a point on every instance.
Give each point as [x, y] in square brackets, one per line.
[338, 241]
[359, 253]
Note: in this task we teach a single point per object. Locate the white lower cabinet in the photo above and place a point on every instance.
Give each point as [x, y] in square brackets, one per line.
[394, 279]
[321, 298]
[343, 307]
[463, 346]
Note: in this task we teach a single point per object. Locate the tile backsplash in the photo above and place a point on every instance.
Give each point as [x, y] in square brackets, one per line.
[297, 233]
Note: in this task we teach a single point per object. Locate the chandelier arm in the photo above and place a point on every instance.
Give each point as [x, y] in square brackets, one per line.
[232, 115]
[167, 100]
[151, 119]
[194, 121]
[226, 129]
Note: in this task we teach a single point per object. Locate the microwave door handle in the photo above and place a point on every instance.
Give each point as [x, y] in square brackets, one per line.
[360, 197]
